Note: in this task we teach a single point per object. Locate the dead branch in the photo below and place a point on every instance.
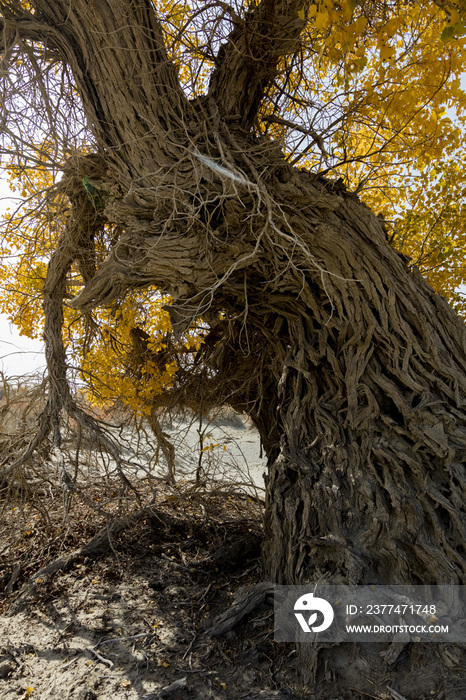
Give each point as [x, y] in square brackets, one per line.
[245, 603]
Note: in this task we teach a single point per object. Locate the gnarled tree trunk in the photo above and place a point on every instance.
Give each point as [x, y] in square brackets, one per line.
[352, 368]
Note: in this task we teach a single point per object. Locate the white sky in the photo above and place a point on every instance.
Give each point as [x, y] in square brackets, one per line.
[18, 355]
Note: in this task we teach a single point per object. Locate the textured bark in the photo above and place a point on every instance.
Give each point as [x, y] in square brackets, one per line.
[352, 368]
[247, 63]
[369, 482]
[246, 602]
[130, 90]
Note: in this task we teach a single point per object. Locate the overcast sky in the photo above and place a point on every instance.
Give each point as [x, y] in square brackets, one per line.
[18, 355]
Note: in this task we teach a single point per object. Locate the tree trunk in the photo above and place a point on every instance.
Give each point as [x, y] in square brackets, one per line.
[352, 368]
[368, 485]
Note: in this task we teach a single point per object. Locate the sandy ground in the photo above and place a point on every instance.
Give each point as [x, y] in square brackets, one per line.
[132, 620]
[132, 625]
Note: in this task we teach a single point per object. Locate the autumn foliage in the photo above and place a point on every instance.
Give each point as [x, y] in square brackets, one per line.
[374, 97]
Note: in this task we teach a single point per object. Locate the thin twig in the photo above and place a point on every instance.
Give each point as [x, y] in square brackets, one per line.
[101, 658]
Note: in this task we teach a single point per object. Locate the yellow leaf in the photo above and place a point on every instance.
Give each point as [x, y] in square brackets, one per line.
[386, 52]
[358, 25]
[321, 20]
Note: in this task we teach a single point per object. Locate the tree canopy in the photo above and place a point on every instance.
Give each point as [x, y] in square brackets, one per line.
[368, 92]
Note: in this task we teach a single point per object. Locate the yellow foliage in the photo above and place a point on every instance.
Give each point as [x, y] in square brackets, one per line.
[113, 368]
[390, 81]
[105, 356]
[385, 87]
[432, 228]
[29, 235]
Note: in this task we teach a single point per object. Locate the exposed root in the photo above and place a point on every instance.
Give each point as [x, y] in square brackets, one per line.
[246, 602]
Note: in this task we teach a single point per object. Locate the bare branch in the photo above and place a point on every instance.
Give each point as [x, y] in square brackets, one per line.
[316, 138]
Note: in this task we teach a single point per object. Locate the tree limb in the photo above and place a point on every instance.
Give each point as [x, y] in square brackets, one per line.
[131, 55]
[17, 24]
[248, 62]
